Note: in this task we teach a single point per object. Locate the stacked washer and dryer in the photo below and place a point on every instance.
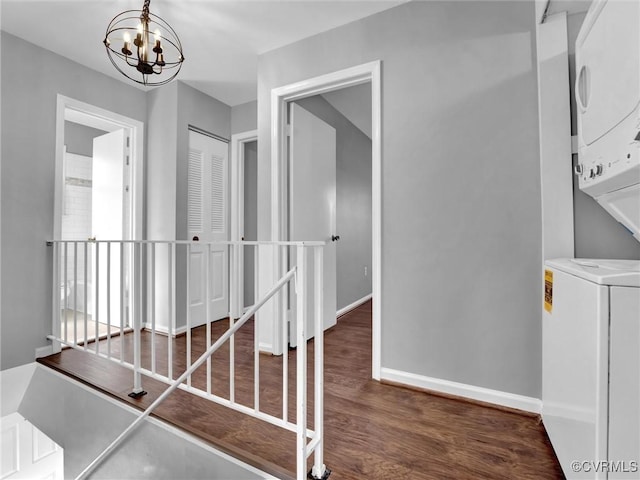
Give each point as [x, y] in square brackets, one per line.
[591, 324]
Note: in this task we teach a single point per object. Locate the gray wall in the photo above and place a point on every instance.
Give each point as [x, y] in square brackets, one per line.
[597, 234]
[250, 217]
[461, 215]
[79, 138]
[204, 112]
[28, 157]
[244, 117]
[162, 104]
[353, 201]
[354, 103]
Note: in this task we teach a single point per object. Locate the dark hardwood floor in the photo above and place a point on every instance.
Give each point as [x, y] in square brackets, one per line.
[372, 430]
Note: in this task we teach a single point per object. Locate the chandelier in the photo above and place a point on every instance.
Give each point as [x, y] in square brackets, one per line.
[154, 57]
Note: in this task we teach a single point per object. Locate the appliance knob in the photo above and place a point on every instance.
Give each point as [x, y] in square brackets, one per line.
[599, 169]
[578, 169]
[592, 173]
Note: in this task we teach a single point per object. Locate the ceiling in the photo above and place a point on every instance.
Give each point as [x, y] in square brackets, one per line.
[221, 38]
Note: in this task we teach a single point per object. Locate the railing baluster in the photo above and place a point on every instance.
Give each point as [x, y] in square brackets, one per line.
[318, 379]
[66, 289]
[172, 317]
[122, 302]
[188, 312]
[234, 295]
[96, 299]
[56, 314]
[207, 309]
[152, 307]
[75, 293]
[256, 344]
[136, 295]
[301, 364]
[86, 295]
[109, 299]
[285, 338]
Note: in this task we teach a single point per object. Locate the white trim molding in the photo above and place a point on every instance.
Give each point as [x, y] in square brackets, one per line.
[353, 305]
[359, 74]
[44, 351]
[496, 397]
[164, 330]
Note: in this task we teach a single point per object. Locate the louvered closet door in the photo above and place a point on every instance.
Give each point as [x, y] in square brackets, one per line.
[207, 196]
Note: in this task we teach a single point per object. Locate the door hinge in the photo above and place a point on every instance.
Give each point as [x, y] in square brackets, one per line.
[128, 140]
[288, 130]
[127, 159]
[126, 188]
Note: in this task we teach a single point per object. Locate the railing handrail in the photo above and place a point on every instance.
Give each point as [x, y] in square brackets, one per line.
[197, 364]
[304, 243]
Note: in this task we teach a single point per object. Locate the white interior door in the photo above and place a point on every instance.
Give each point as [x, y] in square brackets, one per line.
[312, 204]
[28, 453]
[207, 192]
[108, 204]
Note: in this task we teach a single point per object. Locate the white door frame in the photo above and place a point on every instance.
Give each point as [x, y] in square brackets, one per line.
[368, 72]
[103, 119]
[238, 142]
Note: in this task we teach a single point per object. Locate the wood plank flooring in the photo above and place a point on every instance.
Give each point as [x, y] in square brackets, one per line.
[372, 430]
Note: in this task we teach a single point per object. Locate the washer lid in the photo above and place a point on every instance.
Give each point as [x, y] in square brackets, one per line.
[622, 273]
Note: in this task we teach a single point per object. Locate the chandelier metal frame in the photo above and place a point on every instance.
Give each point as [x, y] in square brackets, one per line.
[156, 62]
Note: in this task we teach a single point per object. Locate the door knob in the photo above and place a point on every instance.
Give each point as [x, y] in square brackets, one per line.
[335, 238]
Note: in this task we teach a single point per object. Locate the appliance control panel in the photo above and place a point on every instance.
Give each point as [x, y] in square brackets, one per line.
[602, 170]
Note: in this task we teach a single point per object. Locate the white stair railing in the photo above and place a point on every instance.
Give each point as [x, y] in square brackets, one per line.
[136, 280]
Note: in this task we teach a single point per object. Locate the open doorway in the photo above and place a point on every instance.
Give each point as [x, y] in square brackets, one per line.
[244, 216]
[337, 171]
[348, 111]
[98, 196]
[281, 97]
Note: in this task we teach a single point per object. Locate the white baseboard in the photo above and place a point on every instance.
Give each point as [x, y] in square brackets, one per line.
[496, 397]
[354, 305]
[165, 330]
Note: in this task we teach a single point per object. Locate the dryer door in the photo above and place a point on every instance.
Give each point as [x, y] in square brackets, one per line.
[608, 67]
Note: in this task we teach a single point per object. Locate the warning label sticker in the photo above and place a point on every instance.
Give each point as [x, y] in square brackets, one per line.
[548, 290]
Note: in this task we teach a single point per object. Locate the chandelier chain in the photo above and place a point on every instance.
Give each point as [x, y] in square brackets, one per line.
[145, 9]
